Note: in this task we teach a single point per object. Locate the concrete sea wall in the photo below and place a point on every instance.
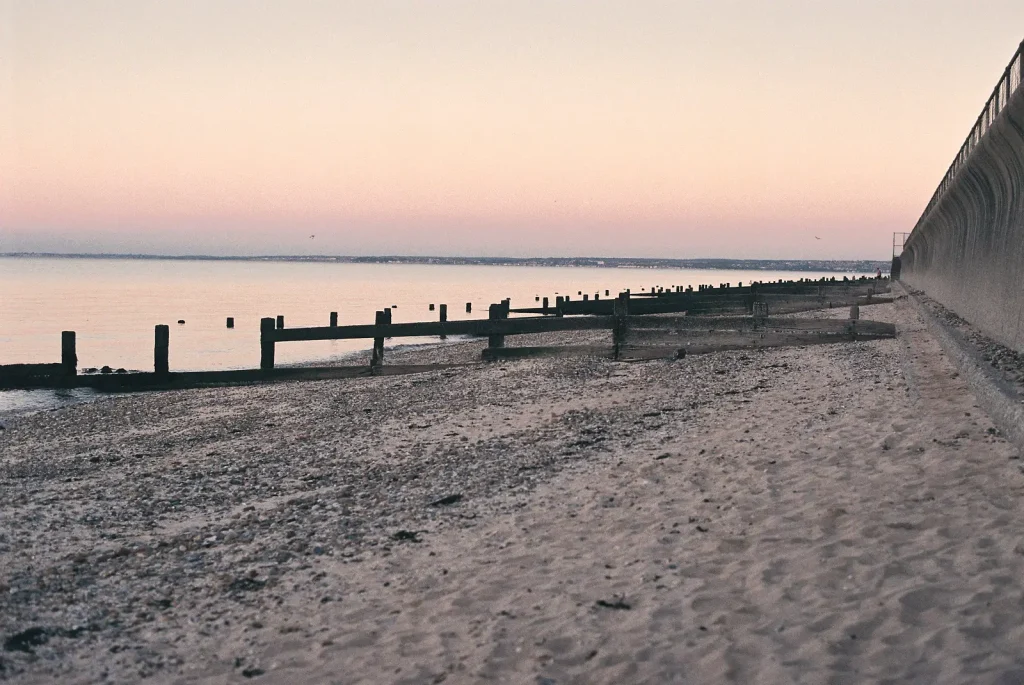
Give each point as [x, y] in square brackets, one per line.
[967, 250]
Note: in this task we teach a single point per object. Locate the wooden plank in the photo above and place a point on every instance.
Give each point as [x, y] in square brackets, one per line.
[432, 328]
[748, 323]
[33, 375]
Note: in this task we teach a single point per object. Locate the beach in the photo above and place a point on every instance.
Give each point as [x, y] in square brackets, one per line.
[836, 513]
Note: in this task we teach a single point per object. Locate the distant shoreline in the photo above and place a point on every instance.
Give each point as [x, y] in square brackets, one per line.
[830, 265]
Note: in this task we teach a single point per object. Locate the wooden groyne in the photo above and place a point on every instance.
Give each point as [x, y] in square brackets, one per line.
[640, 324]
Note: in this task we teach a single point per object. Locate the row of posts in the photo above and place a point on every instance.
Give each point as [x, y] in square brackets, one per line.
[499, 311]
[161, 347]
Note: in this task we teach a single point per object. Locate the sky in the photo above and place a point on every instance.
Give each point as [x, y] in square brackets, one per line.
[714, 128]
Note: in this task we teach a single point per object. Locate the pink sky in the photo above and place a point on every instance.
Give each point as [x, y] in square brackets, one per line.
[526, 127]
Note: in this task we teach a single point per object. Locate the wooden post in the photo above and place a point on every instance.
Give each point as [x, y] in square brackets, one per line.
[267, 344]
[378, 343]
[443, 317]
[544, 305]
[606, 293]
[430, 308]
[496, 312]
[280, 321]
[469, 307]
[854, 312]
[68, 355]
[620, 309]
[160, 349]
[334, 319]
[231, 322]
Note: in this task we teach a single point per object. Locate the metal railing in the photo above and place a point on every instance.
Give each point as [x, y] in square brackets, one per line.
[1004, 90]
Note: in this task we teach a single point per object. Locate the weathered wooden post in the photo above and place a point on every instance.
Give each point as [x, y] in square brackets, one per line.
[430, 308]
[544, 305]
[160, 349]
[267, 344]
[854, 312]
[68, 355]
[606, 293]
[231, 322]
[559, 301]
[280, 321]
[334, 319]
[443, 317]
[620, 310]
[496, 312]
[380, 318]
[469, 307]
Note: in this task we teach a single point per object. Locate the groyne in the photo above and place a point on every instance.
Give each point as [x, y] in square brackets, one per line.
[967, 249]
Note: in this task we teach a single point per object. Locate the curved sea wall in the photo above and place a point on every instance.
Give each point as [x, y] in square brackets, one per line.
[967, 251]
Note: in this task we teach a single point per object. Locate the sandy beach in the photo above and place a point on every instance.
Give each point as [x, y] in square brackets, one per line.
[824, 514]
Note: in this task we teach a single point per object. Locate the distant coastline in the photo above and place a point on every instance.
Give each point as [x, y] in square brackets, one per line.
[831, 265]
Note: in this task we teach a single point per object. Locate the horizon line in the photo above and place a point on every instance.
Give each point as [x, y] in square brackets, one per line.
[327, 257]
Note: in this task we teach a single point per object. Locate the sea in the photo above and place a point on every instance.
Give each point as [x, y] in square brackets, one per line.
[113, 305]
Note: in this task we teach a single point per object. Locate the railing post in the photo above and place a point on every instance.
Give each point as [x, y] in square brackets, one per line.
[161, 345]
[496, 312]
[443, 317]
[68, 355]
[267, 344]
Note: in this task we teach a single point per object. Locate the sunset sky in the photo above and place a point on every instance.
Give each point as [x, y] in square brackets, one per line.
[717, 128]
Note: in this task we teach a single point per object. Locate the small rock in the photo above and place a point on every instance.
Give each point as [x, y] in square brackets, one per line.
[615, 603]
[446, 500]
[27, 640]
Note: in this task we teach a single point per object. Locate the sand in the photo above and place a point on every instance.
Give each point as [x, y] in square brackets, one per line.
[826, 514]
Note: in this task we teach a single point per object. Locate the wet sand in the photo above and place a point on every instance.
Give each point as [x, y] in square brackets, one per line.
[839, 513]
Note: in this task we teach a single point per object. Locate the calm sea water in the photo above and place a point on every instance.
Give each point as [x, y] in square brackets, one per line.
[113, 305]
